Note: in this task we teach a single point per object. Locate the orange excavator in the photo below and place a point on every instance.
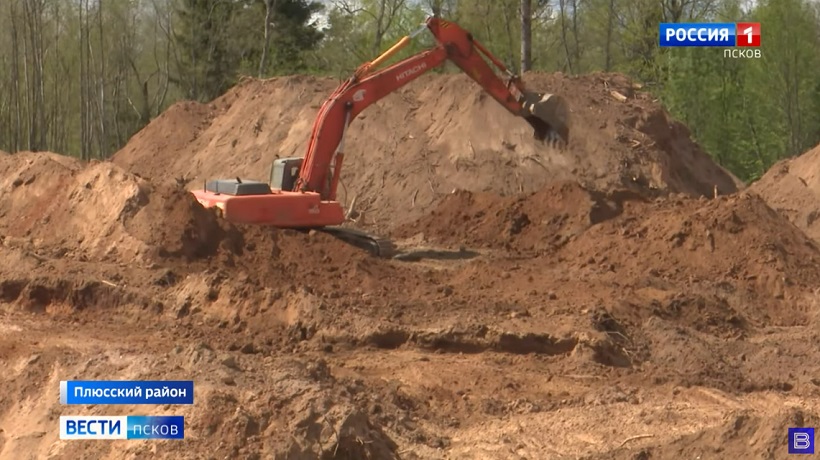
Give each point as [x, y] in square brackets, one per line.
[301, 193]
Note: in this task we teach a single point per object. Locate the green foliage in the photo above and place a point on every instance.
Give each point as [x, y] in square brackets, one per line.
[293, 35]
[749, 113]
[81, 76]
[207, 66]
[358, 32]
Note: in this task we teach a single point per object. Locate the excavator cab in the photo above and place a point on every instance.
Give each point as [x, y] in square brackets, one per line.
[548, 114]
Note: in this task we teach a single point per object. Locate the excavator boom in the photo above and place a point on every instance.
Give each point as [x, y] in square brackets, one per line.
[546, 113]
[302, 191]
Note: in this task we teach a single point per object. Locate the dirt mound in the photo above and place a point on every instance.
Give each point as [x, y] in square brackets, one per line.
[636, 138]
[664, 250]
[544, 220]
[743, 434]
[168, 135]
[668, 250]
[175, 225]
[100, 212]
[792, 187]
[42, 192]
[427, 139]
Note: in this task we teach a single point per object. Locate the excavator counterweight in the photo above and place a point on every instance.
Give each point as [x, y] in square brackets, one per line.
[301, 193]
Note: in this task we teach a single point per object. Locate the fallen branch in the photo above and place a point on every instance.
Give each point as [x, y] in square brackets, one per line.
[336, 433]
[108, 283]
[38, 257]
[537, 161]
[618, 96]
[352, 207]
[633, 438]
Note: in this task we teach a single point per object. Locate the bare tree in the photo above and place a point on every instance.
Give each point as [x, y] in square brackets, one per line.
[34, 51]
[270, 6]
[442, 8]
[610, 30]
[526, 35]
[16, 143]
[386, 14]
[85, 73]
[102, 76]
[562, 6]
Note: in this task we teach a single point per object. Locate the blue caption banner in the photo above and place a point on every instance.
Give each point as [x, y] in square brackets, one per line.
[75, 427]
[701, 35]
[161, 392]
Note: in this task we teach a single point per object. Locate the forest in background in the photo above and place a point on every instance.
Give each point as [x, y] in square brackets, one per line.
[80, 77]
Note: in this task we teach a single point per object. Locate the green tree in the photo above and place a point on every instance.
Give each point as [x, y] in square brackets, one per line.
[206, 66]
[274, 37]
[787, 75]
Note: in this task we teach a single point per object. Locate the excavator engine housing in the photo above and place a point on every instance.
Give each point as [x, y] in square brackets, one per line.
[235, 187]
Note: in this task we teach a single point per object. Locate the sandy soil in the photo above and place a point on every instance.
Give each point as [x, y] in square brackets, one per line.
[599, 303]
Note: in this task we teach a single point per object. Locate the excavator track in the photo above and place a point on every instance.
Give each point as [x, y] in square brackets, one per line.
[376, 246]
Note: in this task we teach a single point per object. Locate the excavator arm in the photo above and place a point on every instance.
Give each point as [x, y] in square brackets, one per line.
[321, 167]
[311, 202]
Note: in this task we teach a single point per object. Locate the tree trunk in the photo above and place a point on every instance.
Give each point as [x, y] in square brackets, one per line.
[263, 61]
[377, 42]
[435, 6]
[510, 35]
[562, 4]
[610, 26]
[102, 100]
[15, 76]
[575, 33]
[85, 142]
[526, 35]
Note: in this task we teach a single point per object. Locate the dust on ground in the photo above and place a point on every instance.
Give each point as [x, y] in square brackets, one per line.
[583, 314]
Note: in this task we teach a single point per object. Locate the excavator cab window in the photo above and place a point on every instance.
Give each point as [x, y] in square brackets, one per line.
[284, 173]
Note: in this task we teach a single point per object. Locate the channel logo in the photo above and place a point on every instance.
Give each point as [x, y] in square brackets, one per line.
[723, 35]
[801, 441]
[76, 427]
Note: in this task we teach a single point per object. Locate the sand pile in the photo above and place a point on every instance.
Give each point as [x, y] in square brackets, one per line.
[792, 187]
[53, 200]
[670, 249]
[664, 248]
[429, 138]
[535, 222]
[100, 212]
[76, 235]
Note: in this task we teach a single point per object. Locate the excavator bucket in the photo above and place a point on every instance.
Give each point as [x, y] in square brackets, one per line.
[548, 115]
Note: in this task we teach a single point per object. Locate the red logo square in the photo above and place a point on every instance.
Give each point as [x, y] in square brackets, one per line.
[748, 34]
